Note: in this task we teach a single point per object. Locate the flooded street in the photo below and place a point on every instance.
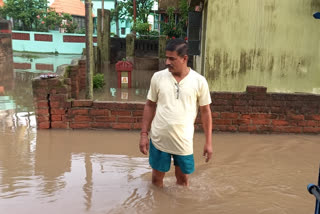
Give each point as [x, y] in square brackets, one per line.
[102, 171]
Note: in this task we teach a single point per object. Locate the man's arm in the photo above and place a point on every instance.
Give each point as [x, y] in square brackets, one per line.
[206, 119]
[148, 114]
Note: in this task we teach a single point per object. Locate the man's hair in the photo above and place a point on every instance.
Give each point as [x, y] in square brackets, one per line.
[178, 45]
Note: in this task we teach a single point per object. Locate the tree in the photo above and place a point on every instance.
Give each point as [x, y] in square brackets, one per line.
[170, 27]
[125, 9]
[24, 12]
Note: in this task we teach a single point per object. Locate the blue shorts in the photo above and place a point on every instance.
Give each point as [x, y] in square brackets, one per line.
[161, 161]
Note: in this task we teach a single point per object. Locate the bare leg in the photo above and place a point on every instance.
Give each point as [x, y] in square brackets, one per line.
[182, 179]
[157, 178]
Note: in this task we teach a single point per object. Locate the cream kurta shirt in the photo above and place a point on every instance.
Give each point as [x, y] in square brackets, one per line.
[172, 128]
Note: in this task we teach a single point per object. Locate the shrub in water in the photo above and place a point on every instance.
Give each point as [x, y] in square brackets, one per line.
[98, 81]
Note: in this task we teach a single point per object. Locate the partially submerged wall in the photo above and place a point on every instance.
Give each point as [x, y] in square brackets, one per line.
[57, 106]
[6, 61]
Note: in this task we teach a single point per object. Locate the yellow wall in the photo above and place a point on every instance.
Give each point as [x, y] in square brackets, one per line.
[273, 43]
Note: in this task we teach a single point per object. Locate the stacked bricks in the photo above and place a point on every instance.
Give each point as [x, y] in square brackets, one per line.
[51, 101]
[77, 74]
[254, 111]
[101, 115]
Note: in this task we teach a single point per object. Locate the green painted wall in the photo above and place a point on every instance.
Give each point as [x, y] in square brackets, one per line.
[263, 42]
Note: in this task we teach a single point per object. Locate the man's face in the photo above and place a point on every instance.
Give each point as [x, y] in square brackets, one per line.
[174, 62]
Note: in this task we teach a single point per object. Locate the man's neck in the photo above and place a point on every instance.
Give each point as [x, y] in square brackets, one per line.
[183, 74]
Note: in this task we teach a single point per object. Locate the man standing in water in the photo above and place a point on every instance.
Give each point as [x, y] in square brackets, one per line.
[172, 106]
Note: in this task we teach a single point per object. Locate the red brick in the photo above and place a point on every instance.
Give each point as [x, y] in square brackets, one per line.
[219, 102]
[279, 122]
[43, 37]
[313, 117]
[105, 119]
[240, 102]
[103, 105]
[247, 128]
[222, 122]
[264, 128]
[315, 130]
[79, 118]
[42, 104]
[121, 113]
[228, 115]
[80, 125]
[215, 114]
[139, 106]
[287, 129]
[77, 39]
[256, 89]
[295, 117]
[121, 126]
[59, 125]
[126, 120]
[99, 112]
[42, 111]
[308, 123]
[56, 104]
[60, 111]
[44, 67]
[137, 126]
[260, 122]
[58, 97]
[21, 65]
[137, 113]
[79, 111]
[263, 116]
[82, 103]
[242, 109]
[41, 118]
[44, 125]
[222, 95]
[57, 117]
[101, 125]
[245, 116]
[241, 122]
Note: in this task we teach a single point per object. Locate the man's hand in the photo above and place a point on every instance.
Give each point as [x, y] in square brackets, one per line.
[207, 151]
[144, 144]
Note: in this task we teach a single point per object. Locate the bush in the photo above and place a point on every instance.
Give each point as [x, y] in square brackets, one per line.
[98, 81]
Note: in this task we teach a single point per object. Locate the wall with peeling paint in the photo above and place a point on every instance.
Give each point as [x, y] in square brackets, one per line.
[269, 43]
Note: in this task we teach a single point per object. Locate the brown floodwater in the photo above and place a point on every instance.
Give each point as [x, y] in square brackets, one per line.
[102, 171]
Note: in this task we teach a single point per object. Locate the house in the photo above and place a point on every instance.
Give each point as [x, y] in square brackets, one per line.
[76, 8]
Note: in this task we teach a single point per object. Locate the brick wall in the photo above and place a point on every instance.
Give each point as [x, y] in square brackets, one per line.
[43, 37]
[78, 39]
[254, 110]
[21, 36]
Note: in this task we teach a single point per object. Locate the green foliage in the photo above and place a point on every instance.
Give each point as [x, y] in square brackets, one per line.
[173, 29]
[25, 11]
[81, 31]
[98, 81]
[144, 31]
[34, 15]
[124, 10]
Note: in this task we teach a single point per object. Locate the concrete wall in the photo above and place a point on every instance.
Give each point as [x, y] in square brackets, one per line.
[48, 42]
[263, 42]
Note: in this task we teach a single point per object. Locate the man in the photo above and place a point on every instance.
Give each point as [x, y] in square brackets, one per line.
[172, 106]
